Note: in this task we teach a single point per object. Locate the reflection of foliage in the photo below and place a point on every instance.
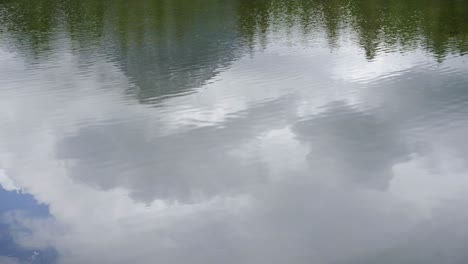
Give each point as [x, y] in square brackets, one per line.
[30, 23]
[439, 26]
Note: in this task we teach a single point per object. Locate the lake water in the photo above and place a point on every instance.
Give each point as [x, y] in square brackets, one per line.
[234, 131]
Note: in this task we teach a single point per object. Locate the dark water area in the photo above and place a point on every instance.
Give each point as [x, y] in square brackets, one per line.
[233, 131]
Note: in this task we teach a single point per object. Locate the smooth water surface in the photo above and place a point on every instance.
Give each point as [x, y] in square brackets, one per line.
[234, 131]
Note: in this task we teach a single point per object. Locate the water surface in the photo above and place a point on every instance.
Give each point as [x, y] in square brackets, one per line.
[233, 131]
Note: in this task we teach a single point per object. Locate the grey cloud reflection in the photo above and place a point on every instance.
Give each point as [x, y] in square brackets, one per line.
[353, 145]
[184, 166]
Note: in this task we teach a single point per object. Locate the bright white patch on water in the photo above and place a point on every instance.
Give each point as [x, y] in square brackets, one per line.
[6, 182]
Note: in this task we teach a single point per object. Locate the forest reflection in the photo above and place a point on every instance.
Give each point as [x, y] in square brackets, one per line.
[439, 26]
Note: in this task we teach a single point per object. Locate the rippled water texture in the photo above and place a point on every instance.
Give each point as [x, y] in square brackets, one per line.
[234, 131]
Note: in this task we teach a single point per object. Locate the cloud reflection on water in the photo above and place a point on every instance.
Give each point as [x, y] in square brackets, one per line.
[290, 154]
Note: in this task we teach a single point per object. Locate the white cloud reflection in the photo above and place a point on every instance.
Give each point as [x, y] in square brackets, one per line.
[267, 164]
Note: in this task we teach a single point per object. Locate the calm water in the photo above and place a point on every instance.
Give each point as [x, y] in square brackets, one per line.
[234, 131]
